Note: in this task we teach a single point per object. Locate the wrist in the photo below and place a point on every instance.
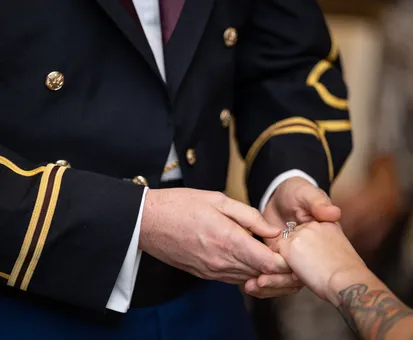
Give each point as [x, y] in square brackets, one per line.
[147, 220]
[342, 279]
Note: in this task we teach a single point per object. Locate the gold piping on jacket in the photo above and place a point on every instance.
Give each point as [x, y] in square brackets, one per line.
[334, 125]
[32, 226]
[313, 80]
[333, 55]
[4, 276]
[13, 167]
[298, 125]
[45, 228]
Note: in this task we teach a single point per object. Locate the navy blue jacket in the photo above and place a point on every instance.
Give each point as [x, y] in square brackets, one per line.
[64, 231]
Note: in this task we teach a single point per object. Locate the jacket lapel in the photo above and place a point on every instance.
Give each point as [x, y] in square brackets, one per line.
[184, 41]
[132, 31]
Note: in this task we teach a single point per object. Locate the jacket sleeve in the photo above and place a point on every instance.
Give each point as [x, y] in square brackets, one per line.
[291, 101]
[64, 233]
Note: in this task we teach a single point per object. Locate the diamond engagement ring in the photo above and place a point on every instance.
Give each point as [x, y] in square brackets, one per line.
[290, 227]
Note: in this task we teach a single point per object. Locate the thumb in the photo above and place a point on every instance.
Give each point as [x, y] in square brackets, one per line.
[318, 204]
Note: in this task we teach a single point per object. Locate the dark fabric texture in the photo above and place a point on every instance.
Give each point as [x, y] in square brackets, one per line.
[211, 311]
[89, 235]
[279, 47]
[114, 119]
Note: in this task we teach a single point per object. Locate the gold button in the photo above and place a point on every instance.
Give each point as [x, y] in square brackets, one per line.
[191, 156]
[140, 180]
[55, 81]
[225, 118]
[63, 163]
[230, 37]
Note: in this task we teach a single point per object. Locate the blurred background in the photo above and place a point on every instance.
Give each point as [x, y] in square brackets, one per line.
[374, 187]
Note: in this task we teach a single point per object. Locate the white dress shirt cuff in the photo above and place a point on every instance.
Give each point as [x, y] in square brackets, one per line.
[278, 180]
[121, 296]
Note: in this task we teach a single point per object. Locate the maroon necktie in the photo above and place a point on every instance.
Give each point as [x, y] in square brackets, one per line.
[170, 10]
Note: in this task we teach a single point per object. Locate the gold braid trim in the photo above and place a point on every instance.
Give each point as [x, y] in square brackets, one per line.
[298, 125]
[313, 80]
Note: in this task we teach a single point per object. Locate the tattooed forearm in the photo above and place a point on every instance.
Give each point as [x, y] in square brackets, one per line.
[371, 313]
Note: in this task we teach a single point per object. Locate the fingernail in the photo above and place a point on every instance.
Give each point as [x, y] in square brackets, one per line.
[251, 290]
[266, 284]
[294, 277]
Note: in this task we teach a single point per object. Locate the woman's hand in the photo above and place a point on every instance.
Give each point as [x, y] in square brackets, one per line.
[316, 252]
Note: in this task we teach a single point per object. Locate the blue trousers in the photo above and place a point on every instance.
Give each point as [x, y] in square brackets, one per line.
[211, 311]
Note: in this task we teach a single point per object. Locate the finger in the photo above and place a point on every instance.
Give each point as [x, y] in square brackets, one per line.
[258, 256]
[277, 281]
[266, 293]
[243, 272]
[236, 280]
[246, 255]
[248, 218]
[319, 205]
[252, 288]
[283, 243]
[239, 273]
[272, 216]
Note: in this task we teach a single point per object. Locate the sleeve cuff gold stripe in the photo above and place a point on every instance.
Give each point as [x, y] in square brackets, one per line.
[4, 276]
[327, 151]
[299, 125]
[273, 131]
[334, 125]
[32, 225]
[45, 228]
[13, 167]
[293, 121]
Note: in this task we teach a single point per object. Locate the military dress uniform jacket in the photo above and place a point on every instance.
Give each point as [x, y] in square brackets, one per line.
[78, 82]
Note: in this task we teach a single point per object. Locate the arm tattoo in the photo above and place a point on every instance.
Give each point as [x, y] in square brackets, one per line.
[370, 314]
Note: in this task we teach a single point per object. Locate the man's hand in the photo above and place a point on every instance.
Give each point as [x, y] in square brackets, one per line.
[297, 200]
[205, 233]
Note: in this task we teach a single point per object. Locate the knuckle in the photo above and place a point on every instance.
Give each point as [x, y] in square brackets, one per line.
[267, 267]
[285, 281]
[220, 197]
[264, 267]
[215, 266]
[219, 200]
[295, 243]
